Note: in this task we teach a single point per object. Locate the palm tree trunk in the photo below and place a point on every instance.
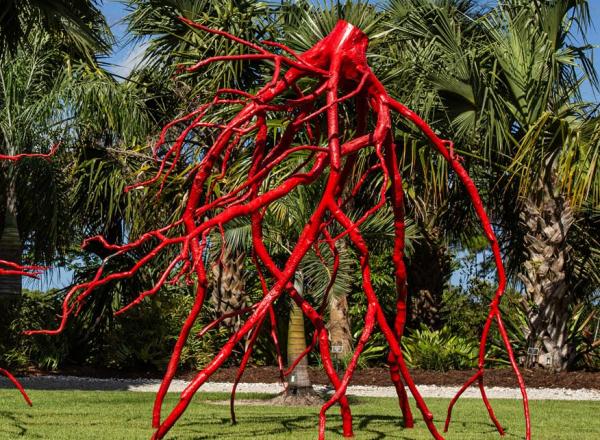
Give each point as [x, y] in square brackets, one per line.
[299, 390]
[428, 274]
[544, 277]
[228, 293]
[11, 248]
[338, 325]
[298, 380]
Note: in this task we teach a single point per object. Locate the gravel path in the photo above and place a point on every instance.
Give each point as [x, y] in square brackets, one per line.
[151, 385]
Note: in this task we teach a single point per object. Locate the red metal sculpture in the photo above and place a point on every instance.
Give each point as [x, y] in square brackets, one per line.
[310, 90]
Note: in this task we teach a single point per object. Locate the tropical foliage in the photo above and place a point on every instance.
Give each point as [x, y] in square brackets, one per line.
[503, 81]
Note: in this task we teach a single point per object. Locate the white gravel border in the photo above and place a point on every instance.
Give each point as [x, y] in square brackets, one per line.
[151, 385]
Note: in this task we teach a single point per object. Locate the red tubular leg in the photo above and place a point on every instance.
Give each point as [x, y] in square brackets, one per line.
[487, 404]
[478, 376]
[307, 238]
[218, 360]
[401, 288]
[441, 146]
[11, 268]
[18, 157]
[361, 246]
[17, 384]
[263, 307]
[401, 392]
[181, 340]
[315, 319]
[515, 368]
[462, 389]
[242, 368]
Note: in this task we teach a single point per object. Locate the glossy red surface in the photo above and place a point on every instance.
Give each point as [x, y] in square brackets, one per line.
[340, 76]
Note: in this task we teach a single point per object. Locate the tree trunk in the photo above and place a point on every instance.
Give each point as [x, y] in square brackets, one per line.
[547, 223]
[298, 380]
[11, 248]
[339, 325]
[299, 390]
[428, 272]
[228, 293]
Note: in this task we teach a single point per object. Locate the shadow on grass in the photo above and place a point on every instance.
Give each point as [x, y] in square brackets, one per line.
[206, 423]
[371, 426]
[302, 426]
[20, 428]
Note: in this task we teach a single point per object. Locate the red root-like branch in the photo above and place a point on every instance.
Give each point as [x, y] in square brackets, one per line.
[9, 268]
[18, 157]
[309, 92]
[17, 384]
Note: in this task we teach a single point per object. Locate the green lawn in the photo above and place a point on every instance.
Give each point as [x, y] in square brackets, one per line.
[116, 415]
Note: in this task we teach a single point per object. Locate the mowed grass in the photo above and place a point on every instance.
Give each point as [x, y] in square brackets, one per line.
[116, 415]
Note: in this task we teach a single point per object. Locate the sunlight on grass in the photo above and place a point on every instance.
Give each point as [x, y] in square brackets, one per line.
[104, 415]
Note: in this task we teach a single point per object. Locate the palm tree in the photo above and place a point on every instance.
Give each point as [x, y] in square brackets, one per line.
[41, 43]
[299, 380]
[30, 81]
[78, 24]
[171, 43]
[47, 96]
[508, 83]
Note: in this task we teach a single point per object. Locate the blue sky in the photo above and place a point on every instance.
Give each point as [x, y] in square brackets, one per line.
[125, 56]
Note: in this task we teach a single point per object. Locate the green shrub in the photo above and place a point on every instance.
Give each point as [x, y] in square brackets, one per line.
[32, 310]
[439, 350]
[143, 339]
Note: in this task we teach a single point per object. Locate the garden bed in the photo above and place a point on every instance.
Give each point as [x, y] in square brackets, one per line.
[372, 376]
